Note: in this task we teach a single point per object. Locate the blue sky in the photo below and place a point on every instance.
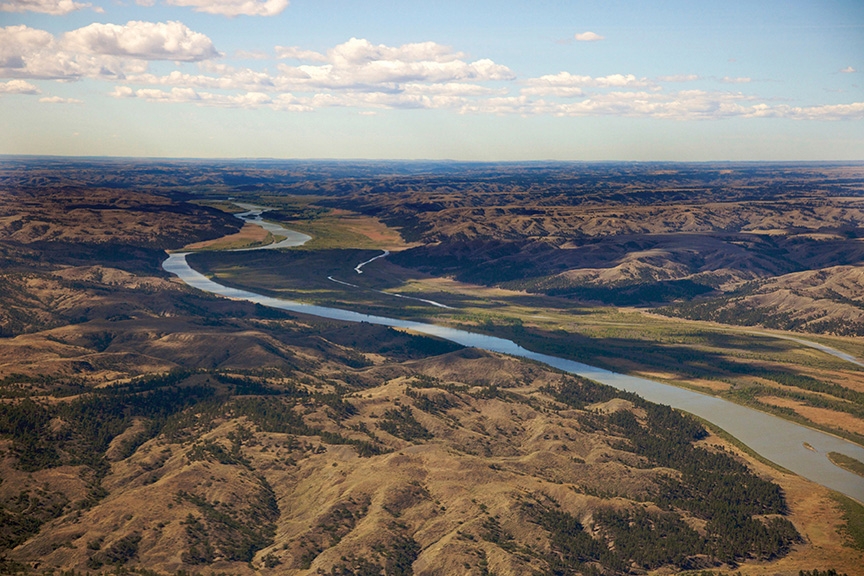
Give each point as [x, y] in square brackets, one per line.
[479, 80]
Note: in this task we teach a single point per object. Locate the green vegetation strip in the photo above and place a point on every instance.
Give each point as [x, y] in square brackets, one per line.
[847, 463]
[853, 516]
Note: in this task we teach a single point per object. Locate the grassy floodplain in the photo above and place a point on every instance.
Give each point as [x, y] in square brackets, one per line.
[851, 464]
[747, 366]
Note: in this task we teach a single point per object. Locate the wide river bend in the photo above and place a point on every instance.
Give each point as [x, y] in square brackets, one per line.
[778, 440]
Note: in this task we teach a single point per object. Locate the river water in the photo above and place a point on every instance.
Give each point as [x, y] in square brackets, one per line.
[776, 439]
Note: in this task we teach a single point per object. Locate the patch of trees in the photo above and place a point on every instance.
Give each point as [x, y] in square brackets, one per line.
[812, 384]
[402, 424]
[628, 294]
[79, 432]
[118, 554]
[433, 403]
[279, 415]
[331, 528]
[713, 486]
[227, 532]
[22, 516]
[88, 424]
[482, 261]
[394, 558]
[735, 310]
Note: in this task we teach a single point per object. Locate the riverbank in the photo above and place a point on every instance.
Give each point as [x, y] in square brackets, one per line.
[779, 441]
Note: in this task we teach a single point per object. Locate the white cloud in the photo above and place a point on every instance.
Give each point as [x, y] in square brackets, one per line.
[588, 37]
[358, 51]
[355, 66]
[853, 111]
[105, 51]
[566, 85]
[247, 100]
[30, 53]
[234, 7]
[360, 65]
[52, 7]
[144, 40]
[18, 87]
[19, 42]
[122, 92]
[226, 78]
[679, 78]
[59, 100]
[682, 105]
[848, 70]
[361, 75]
[297, 53]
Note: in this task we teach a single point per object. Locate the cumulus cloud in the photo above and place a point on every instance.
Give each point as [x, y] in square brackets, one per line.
[106, 51]
[388, 74]
[568, 85]
[681, 105]
[358, 51]
[122, 92]
[234, 7]
[30, 53]
[20, 42]
[361, 75]
[144, 40]
[588, 37]
[52, 7]
[360, 65]
[355, 66]
[356, 73]
[18, 87]
[848, 70]
[59, 100]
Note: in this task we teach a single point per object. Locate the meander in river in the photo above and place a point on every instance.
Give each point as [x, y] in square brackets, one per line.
[778, 440]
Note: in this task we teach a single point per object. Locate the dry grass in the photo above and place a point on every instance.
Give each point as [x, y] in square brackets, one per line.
[823, 416]
[343, 229]
[249, 236]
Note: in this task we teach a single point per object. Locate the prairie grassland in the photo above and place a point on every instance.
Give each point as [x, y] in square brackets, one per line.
[338, 229]
[329, 228]
[250, 236]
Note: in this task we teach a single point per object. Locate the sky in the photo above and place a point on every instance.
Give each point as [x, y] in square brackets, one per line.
[485, 80]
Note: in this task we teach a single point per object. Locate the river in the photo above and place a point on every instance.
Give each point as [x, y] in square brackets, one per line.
[778, 440]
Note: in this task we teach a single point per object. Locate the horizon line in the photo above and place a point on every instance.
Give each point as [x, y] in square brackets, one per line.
[358, 160]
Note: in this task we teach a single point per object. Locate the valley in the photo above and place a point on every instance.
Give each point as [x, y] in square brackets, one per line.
[157, 427]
